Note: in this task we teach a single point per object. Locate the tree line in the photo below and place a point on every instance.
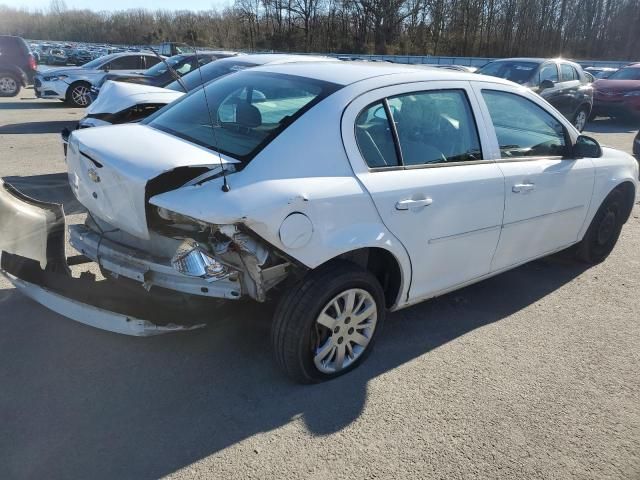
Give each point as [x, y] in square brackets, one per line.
[593, 29]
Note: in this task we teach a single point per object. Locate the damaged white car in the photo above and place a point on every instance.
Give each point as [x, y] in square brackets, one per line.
[342, 191]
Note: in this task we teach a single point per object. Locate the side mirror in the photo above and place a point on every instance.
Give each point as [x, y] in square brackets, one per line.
[546, 84]
[105, 67]
[586, 147]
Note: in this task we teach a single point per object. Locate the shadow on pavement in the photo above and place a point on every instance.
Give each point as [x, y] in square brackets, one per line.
[81, 403]
[52, 187]
[37, 127]
[30, 104]
[612, 125]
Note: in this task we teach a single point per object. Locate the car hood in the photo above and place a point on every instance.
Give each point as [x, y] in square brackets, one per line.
[616, 85]
[109, 168]
[117, 96]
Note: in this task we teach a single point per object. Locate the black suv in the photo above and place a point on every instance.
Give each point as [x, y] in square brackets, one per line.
[560, 82]
[17, 65]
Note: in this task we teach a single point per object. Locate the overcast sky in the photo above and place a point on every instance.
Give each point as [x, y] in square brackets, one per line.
[123, 4]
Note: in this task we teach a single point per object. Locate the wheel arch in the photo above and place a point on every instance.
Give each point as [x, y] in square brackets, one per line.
[383, 264]
[628, 189]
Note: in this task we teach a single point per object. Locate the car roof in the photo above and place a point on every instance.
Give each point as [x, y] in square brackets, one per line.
[276, 58]
[345, 73]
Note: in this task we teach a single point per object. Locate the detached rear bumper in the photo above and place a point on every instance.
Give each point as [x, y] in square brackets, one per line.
[32, 249]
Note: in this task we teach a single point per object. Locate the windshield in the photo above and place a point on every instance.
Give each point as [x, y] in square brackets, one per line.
[160, 68]
[248, 111]
[629, 73]
[519, 72]
[209, 72]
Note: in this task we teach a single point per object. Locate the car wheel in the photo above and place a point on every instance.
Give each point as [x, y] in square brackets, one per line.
[580, 119]
[604, 230]
[78, 94]
[326, 325]
[9, 85]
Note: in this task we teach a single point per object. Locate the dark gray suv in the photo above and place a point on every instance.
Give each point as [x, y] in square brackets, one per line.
[560, 82]
[17, 65]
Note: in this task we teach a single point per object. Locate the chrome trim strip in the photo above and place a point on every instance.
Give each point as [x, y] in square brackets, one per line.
[463, 234]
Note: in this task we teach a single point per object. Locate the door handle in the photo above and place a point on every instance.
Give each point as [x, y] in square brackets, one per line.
[410, 203]
[523, 187]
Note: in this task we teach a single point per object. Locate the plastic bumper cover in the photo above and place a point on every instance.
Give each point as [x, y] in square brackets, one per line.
[32, 249]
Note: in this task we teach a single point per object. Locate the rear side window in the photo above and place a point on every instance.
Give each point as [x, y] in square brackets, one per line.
[523, 128]
[248, 110]
[431, 127]
[435, 127]
[374, 137]
[568, 73]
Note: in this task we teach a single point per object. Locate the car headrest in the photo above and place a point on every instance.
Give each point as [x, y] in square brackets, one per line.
[248, 115]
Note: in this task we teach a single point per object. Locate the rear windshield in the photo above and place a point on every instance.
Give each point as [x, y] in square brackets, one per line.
[248, 110]
[209, 72]
[629, 73]
[519, 72]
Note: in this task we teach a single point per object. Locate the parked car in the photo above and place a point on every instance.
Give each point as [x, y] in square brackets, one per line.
[73, 84]
[169, 49]
[79, 57]
[601, 72]
[561, 82]
[160, 75]
[17, 65]
[459, 68]
[313, 184]
[619, 95]
[56, 56]
[121, 102]
[636, 146]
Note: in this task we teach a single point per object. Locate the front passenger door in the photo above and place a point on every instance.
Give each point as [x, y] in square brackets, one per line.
[547, 195]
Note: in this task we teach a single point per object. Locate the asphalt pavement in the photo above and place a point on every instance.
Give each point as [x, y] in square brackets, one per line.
[530, 374]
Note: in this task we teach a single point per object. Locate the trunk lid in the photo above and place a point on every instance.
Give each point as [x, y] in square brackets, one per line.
[109, 168]
[116, 96]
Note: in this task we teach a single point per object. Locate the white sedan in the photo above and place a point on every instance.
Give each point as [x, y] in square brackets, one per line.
[342, 191]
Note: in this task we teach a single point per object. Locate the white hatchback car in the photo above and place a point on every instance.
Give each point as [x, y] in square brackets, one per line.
[341, 190]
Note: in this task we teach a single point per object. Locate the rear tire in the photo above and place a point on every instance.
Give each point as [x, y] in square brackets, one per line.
[78, 95]
[326, 325]
[604, 230]
[9, 85]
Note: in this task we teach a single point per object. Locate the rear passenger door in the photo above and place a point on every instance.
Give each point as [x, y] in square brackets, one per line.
[418, 151]
[547, 194]
[570, 83]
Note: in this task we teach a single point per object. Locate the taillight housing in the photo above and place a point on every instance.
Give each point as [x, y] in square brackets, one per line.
[32, 62]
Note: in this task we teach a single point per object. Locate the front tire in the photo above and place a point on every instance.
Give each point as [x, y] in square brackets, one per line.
[580, 119]
[78, 95]
[326, 325]
[9, 85]
[604, 231]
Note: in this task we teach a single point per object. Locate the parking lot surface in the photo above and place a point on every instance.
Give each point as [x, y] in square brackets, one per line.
[531, 374]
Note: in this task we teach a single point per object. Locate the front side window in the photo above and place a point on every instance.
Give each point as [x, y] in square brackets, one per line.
[523, 128]
[248, 110]
[209, 72]
[549, 72]
[130, 62]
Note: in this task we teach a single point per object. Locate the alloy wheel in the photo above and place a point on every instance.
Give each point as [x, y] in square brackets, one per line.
[8, 85]
[344, 329]
[580, 121]
[80, 95]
